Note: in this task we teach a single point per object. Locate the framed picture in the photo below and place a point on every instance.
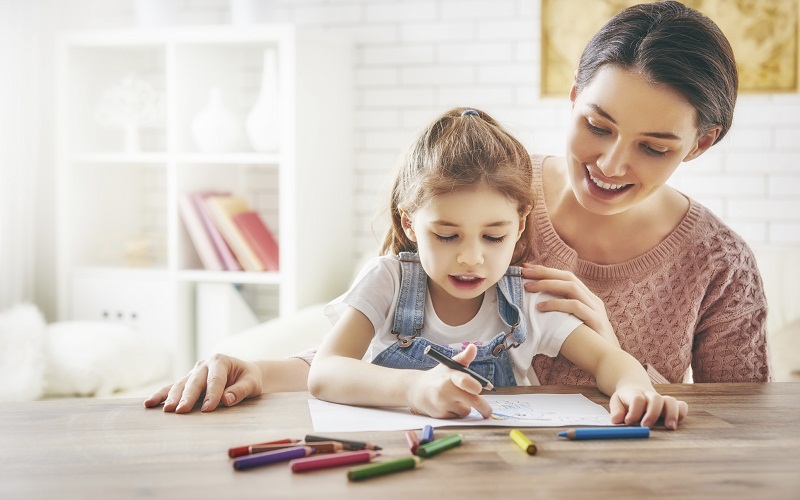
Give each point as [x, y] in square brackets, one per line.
[763, 35]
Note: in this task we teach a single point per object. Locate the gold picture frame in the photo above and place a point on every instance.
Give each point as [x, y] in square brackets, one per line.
[763, 34]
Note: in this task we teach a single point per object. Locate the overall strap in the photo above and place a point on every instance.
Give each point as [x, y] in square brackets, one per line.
[509, 305]
[411, 302]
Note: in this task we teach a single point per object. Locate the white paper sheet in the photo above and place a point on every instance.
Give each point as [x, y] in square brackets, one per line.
[522, 410]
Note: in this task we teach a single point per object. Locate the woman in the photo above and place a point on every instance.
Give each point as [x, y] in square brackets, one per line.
[636, 260]
[656, 86]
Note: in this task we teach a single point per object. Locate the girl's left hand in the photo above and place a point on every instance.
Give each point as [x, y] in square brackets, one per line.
[578, 299]
[631, 405]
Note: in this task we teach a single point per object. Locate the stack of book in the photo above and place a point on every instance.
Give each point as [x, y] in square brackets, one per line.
[227, 233]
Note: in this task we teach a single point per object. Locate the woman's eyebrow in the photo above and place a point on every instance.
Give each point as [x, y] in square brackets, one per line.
[657, 135]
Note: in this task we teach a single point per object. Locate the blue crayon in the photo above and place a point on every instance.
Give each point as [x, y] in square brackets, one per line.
[427, 434]
[606, 433]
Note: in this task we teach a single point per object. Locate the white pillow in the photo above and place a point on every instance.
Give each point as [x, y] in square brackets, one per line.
[89, 358]
[21, 353]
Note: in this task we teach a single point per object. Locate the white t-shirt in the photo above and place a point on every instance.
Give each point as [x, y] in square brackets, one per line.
[377, 288]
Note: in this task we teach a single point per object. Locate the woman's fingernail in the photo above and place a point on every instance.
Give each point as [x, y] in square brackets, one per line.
[205, 405]
[230, 398]
[671, 424]
[167, 402]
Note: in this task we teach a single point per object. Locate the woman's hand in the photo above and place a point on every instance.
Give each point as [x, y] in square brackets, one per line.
[217, 376]
[578, 299]
[442, 392]
[631, 405]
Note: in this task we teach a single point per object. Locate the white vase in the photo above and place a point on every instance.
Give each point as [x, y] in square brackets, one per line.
[249, 11]
[263, 121]
[215, 128]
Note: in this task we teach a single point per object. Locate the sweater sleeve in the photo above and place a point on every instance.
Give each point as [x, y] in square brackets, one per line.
[730, 342]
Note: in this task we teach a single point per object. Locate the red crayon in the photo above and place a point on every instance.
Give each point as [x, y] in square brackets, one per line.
[332, 460]
[245, 450]
[413, 441]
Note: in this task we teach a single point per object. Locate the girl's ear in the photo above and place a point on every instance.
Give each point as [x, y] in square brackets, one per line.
[405, 221]
[703, 143]
[523, 219]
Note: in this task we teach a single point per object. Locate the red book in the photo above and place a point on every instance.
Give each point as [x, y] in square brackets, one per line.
[226, 255]
[259, 238]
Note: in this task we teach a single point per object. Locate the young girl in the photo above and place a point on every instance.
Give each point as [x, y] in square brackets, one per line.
[459, 207]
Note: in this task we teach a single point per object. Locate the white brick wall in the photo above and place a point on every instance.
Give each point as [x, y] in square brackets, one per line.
[416, 58]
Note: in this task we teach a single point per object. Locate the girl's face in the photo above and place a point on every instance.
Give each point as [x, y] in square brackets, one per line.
[627, 137]
[465, 239]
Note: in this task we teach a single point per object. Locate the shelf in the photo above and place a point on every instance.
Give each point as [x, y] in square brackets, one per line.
[118, 199]
[238, 277]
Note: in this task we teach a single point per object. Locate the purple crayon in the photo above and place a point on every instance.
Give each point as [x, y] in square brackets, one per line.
[271, 457]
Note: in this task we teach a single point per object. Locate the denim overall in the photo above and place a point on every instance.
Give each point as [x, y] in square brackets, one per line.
[493, 360]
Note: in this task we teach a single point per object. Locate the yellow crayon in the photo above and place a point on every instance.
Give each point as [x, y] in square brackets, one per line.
[523, 442]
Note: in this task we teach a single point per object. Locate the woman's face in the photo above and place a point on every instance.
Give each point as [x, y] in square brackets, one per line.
[627, 137]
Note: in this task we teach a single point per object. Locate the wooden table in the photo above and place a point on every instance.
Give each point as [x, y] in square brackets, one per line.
[739, 441]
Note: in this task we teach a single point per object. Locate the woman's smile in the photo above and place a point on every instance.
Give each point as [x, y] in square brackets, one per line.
[604, 189]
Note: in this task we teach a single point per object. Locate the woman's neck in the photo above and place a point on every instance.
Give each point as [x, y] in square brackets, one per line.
[610, 239]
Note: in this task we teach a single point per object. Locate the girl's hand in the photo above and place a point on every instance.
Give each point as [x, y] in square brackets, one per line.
[216, 376]
[578, 299]
[445, 393]
[631, 405]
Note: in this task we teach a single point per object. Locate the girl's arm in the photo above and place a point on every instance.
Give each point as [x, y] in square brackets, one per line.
[338, 374]
[620, 375]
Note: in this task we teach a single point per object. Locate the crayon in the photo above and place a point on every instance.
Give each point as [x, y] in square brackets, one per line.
[606, 433]
[427, 434]
[271, 457]
[455, 365]
[435, 447]
[239, 451]
[332, 460]
[381, 468]
[261, 448]
[348, 445]
[413, 441]
[523, 442]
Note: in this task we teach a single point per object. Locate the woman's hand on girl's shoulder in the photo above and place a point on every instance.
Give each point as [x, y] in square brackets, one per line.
[646, 407]
[577, 298]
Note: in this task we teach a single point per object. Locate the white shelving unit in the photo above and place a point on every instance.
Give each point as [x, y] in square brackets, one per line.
[124, 254]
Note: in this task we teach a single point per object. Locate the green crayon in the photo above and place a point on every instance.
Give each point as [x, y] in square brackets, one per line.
[382, 468]
[434, 447]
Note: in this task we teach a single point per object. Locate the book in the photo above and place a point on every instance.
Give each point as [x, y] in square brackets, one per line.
[229, 261]
[198, 233]
[222, 209]
[259, 237]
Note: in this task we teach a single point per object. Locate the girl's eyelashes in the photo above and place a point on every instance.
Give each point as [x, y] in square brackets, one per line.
[452, 237]
[446, 238]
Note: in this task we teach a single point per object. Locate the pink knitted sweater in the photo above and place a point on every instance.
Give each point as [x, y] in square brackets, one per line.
[696, 299]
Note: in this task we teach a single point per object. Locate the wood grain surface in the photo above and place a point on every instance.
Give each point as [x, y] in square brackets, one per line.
[739, 441]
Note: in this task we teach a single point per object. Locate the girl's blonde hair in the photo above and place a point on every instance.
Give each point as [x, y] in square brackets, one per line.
[460, 149]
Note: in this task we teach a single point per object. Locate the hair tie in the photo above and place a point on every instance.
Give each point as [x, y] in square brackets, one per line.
[470, 112]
